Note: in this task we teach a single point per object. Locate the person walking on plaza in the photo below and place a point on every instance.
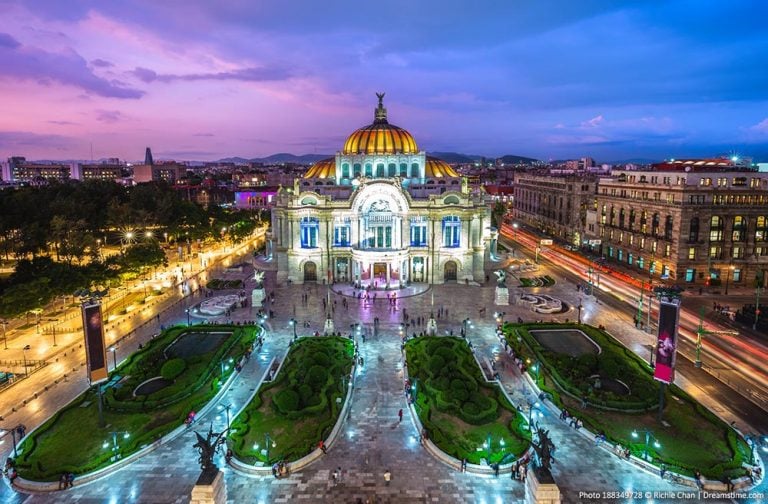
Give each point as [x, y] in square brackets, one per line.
[322, 446]
[387, 477]
[400, 414]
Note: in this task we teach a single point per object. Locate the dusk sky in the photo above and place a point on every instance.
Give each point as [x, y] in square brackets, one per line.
[203, 80]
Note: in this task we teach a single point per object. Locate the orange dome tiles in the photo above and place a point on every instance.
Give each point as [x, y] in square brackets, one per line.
[380, 139]
[437, 168]
[325, 168]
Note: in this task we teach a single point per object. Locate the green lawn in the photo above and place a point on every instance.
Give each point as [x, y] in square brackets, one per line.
[691, 438]
[300, 407]
[458, 409]
[73, 441]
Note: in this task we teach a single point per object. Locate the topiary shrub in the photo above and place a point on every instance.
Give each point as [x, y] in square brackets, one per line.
[306, 393]
[316, 377]
[287, 400]
[173, 368]
[436, 365]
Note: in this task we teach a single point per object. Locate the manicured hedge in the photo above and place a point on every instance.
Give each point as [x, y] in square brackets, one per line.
[300, 406]
[448, 383]
[71, 440]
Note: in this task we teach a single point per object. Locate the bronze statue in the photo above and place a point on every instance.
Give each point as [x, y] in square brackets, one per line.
[208, 446]
[544, 449]
[501, 278]
[380, 96]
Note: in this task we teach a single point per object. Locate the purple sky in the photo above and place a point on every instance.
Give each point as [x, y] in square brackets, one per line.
[210, 79]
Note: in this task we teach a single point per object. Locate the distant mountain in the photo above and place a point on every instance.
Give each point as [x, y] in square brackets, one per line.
[513, 159]
[281, 157]
[454, 157]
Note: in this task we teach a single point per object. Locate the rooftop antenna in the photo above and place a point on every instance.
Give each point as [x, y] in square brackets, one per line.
[91, 152]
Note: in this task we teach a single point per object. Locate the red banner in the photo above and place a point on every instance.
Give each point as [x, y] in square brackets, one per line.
[666, 343]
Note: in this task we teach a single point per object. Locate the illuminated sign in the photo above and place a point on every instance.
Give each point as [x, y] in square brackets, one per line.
[666, 343]
[95, 350]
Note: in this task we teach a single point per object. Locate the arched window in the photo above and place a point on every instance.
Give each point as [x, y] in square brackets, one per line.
[451, 231]
[655, 225]
[391, 170]
[309, 227]
[739, 228]
[380, 170]
[403, 170]
[631, 226]
[357, 170]
[368, 170]
[716, 224]
[415, 173]
[345, 170]
[621, 218]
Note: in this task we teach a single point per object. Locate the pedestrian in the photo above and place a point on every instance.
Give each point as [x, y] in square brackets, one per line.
[321, 445]
[521, 472]
[335, 477]
[338, 474]
[71, 480]
[400, 414]
[515, 468]
[387, 477]
[464, 465]
[63, 481]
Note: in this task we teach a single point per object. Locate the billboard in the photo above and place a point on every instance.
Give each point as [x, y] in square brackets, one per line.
[666, 343]
[546, 242]
[95, 350]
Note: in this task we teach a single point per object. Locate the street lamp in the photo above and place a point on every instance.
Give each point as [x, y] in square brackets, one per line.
[13, 430]
[268, 441]
[531, 408]
[728, 277]
[187, 311]
[535, 368]
[5, 337]
[227, 408]
[115, 446]
[293, 323]
[113, 349]
[24, 355]
[499, 317]
[648, 436]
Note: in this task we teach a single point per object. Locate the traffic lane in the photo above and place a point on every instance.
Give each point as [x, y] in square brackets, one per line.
[724, 391]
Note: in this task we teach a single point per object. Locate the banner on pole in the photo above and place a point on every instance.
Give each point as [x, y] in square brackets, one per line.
[95, 349]
[666, 342]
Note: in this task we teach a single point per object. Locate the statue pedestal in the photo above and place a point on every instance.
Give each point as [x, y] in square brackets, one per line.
[329, 327]
[210, 488]
[257, 296]
[502, 296]
[432, 327]
[540, 487]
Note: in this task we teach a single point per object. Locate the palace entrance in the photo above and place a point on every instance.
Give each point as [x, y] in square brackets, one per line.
[379, 271]
[449, 271]
[310, 272]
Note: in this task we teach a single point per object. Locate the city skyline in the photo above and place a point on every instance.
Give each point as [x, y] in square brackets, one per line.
[611, 80]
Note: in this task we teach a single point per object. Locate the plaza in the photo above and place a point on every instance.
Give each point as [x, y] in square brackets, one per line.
[372, 440]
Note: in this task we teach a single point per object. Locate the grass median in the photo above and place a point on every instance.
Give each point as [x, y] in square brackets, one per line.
[176, 373]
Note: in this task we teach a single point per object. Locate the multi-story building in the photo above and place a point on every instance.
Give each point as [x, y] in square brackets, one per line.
[554, 205]
[168, 171]
[18, 169]
[380, 213]
[694, 221]
[110, 170]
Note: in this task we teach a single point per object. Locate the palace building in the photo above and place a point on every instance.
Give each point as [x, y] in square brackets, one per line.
[381, 213]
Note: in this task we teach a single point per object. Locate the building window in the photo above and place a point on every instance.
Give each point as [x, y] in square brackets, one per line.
[631, 220]
[418, 232]
[341, 235]
[738, 252]
[690, 275]
[380, 170]
[403, 170]
[761, 228]
[667, 250]
[415, 170]
[620, 255]
[715, 252]
[356, 170]
[668, 227]
[451, 231]
[345, 170]
[655, 225]
[716, 228]
[368, 170]
[640, 262]
[309, 231]
[739, 228]
[693, 232]
[705, 181]
[392, 170]
[737, 275]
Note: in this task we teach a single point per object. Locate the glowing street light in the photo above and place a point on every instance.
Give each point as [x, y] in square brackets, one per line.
[648, 436]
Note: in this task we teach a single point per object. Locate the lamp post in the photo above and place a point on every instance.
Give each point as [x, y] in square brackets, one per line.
[5, 337]
[531, 408]
[414, 389]
[580, 307]
[515, 225]
[500, 317]
[24, 356]
[648, 436]
[113, 349]
[488, 446]
[535, 368]
[115, 446]
[187, 312]
[728, 277]
[13, 437]
[293, 323]
[754, 325]
[268, 441]
[227, 408]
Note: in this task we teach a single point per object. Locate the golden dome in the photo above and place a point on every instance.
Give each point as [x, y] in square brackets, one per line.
[437, 168]
[325, 168]
[380, 137]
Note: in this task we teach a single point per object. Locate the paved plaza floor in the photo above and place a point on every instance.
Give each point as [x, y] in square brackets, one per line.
[372, 440]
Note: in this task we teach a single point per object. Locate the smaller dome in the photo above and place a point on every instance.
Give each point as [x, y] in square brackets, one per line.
[325, 168]
[437, 168]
